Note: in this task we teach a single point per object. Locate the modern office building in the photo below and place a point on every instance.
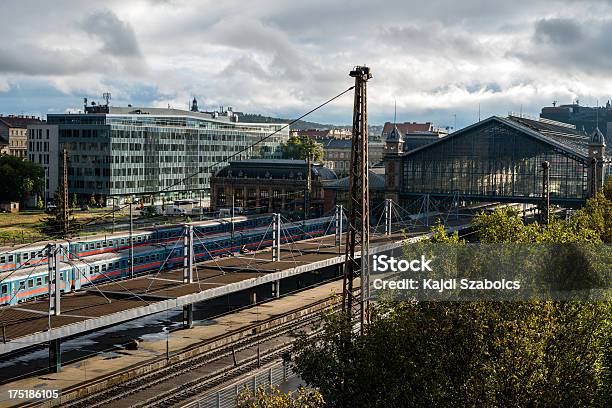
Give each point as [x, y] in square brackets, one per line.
[14, 134]
[586, 118]
[43, 149]
[155, 153]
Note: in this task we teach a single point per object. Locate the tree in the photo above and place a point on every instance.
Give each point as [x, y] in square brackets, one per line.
[473, 353]
[92, 201]
[39, 203]
[54, 224]
[300, 147]
[273, 398]
[19, 178]
[74, 203]
[607, 190]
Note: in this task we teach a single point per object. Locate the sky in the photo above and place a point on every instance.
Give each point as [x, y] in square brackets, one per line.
[437, 60]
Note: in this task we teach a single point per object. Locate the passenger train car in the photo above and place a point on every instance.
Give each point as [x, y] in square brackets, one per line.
[11, 259]
[32, 281]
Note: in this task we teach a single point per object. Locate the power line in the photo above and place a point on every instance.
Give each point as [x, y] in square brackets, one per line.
[208, 168]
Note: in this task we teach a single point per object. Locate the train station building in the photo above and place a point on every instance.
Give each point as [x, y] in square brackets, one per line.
[500, 159]
[261, 186]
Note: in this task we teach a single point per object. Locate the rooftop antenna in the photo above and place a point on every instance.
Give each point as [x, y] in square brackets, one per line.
[395, 112]
[107, 97]
[479, 112]
[597, 113]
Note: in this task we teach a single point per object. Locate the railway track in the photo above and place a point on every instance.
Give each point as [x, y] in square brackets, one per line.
[193, 373]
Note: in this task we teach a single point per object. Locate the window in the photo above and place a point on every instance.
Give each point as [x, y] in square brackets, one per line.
[22, 285]
[4, 289]
[39, 281]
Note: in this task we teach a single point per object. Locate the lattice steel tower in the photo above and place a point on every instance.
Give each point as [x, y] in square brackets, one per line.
[358, 233]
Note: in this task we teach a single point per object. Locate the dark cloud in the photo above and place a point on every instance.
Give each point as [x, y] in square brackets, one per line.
[433, 38]
[31, 60]
[558, 31]
[117, 36]
[570, 46]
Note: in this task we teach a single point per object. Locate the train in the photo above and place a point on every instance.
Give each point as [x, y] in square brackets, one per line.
[32, 281]
[32, 255]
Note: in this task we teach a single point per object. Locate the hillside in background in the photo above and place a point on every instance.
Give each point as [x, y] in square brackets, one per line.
[301, 124]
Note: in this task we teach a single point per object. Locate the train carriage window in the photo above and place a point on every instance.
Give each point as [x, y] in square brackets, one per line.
[21, 285]
[25, 256]
[39, 281]
[46, 280]
[2, 259]
[97, 268]
[30, 283]
[32, 255]
[10, 258]
[103, 268]
[4, 289]
[117, 264]
[62, 276]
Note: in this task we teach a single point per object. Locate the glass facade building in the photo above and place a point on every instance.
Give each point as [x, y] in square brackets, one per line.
[500, 159]
[144, 151]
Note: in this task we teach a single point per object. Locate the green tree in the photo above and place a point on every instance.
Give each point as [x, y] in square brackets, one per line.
[607, 190]
[272, 397]
[300, 147]
[92, 201]
[74, 203]
[39, 203]
[476, 353]
[54, 224]
[19, 178]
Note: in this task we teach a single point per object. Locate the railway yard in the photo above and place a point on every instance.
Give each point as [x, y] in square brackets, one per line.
[184, 363]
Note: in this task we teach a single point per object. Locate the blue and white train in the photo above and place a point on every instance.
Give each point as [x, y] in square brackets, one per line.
[32, 281]
[11, 259]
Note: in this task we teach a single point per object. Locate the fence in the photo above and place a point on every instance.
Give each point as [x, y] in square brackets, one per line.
[226, 397]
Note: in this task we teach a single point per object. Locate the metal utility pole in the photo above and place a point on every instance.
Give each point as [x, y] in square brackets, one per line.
[388, 209]
[232, 226]
[339, 226]
[276, 237]
[131, 242]
[308, 187]
[358, 205]
[65, 197]
[546, 193]
[53, 251]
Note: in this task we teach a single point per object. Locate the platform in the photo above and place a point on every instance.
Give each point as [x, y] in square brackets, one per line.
[105, 364]
[28, 324]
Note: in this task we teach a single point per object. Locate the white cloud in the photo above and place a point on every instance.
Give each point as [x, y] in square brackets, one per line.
[278, 57]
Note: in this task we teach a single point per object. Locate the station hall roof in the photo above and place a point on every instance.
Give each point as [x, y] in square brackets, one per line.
[275, 169]
[561, 136]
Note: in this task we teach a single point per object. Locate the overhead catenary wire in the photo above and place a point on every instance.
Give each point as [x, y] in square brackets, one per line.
[210, 167]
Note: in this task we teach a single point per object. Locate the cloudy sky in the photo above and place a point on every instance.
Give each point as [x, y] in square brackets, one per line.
[436, 58]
